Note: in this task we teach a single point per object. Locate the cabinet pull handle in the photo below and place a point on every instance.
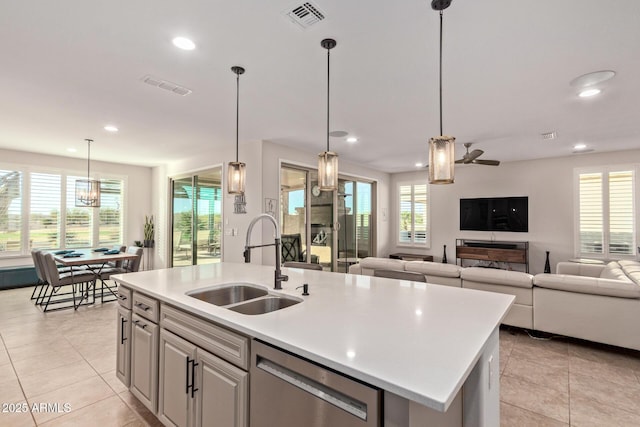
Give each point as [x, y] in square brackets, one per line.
[193, 378]
[139, 323]
[122, 337]
[122, 297]
[187, 372]
[142, 306]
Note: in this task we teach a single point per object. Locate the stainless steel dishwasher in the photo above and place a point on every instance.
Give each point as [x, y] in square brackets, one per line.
[288, 391]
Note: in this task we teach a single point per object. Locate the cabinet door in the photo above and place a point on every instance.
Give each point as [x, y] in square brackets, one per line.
[123, 352]
[144, 361]
[222, 396]
[175, 407]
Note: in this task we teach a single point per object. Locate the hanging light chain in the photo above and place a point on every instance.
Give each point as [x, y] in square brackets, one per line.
[328, 89]
[441, 73]
[237, 112]
[89, 141]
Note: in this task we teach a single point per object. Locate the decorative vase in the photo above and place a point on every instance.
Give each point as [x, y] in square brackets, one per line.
[547, 266]
[444, 255]
[148, 243]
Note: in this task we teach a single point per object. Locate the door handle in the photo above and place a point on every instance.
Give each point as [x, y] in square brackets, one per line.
[122, 337]
[191, 368]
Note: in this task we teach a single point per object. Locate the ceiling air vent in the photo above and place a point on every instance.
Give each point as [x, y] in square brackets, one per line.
[163, 84]
[549, 135]
[305, 14]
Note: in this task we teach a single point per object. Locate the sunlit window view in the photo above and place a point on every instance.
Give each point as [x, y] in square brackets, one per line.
[413, 211]
[197, 219]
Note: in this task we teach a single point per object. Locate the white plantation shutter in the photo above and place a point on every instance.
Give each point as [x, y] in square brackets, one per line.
[110, 212]
[44, 211]
[79, 220]
[413, 216]
[621, 214]
[591, 216]
[10, 212]
[607, 213]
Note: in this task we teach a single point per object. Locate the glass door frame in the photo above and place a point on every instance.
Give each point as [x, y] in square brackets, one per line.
[170, 226]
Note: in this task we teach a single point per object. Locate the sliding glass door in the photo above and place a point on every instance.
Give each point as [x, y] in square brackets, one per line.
[197, 218]
[334, 229]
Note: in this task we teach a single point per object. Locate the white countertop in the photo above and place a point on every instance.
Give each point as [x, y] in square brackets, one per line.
[419, 341]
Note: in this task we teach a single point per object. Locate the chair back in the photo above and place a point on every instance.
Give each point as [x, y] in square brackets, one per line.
[50, 269]
[133, 265]
[305, 265]
[291, 247]
[401, 275]
[35, 254]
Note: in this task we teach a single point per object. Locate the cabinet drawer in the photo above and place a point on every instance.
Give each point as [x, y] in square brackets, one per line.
[124, 297]
[232, 347]
[146, 307]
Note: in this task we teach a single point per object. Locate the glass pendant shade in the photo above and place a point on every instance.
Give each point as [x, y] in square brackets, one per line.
[441, 159]
[328, 171]
[236, 178]
[87, 193]
[88, 190]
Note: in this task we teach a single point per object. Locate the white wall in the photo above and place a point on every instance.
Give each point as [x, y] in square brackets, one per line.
[138, 194]
[547, 182]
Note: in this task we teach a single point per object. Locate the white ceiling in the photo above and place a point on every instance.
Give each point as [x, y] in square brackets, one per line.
[69, 67]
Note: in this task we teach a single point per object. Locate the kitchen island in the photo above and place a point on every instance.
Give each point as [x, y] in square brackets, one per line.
[432, 350]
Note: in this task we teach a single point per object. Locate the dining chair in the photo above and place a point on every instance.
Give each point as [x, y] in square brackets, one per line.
[57, 280]
[304, 265]
[127, 266]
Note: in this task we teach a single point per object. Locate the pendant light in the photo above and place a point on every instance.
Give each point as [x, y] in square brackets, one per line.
[441, 148]
[88, 191]
[237, 170]
[328, 160]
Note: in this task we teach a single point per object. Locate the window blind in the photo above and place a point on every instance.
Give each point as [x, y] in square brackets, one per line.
[110, 213]
[78, 224]
[44, 211]
[10, 211]
[621, 213]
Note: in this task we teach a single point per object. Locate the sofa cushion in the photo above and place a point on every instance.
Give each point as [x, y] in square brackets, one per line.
[429, 268]
[579, 269]
[613, 271]
[370, 264]
[588, 285]
[497, 277]
[631, 269]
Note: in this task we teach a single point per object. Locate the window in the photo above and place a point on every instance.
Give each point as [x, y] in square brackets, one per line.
[10, 212]
[37, 211]
[606, 213]
[413, 227]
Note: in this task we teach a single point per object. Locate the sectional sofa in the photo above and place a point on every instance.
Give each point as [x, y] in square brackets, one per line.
[593, 302]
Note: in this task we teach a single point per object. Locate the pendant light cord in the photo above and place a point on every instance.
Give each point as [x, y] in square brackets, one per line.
[328, 86]
[441, 73]
[237, 112]
[88, 159]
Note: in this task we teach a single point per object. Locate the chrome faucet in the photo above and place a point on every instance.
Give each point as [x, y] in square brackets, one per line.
[278, 277]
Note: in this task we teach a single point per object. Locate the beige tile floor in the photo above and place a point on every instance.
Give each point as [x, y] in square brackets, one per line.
[68, 357]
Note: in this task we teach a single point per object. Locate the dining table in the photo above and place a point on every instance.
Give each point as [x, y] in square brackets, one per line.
[90, 260]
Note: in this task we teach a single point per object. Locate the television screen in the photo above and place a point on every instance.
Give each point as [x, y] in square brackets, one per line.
[495, 214]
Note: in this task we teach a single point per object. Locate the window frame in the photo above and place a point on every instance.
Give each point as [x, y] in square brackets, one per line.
[427, 242]
[27, 170]
[605, 171]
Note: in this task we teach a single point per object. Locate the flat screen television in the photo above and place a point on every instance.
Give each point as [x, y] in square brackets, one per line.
[495, 214]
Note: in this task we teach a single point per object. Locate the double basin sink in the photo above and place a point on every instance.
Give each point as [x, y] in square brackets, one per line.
[245, 298]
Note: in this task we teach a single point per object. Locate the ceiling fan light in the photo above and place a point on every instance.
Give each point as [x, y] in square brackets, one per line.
[441, 159]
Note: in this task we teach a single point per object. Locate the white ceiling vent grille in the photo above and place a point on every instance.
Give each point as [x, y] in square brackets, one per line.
[305, 14]
[163, 84]
[549, 135]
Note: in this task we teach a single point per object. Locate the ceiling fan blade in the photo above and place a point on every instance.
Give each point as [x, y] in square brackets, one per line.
[474, 154]
[459, 161]
[487, 162]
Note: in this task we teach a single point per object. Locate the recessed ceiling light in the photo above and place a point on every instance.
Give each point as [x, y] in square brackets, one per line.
[72, 150]
[418, 165]
[589, 92]
[111, 128]
[352, 139]
[591, 79]
[580, 146]
[183, 43]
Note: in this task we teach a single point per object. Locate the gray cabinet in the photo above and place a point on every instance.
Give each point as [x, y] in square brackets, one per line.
[144, 361]
[197, 387]
[123, 349]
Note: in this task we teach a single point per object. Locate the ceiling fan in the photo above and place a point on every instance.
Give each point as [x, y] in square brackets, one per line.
[472, 157]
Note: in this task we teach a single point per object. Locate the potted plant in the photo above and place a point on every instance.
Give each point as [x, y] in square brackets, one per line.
[148, 231]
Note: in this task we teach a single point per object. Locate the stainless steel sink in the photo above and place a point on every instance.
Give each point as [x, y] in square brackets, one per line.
[231, 294]
[264, 305]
